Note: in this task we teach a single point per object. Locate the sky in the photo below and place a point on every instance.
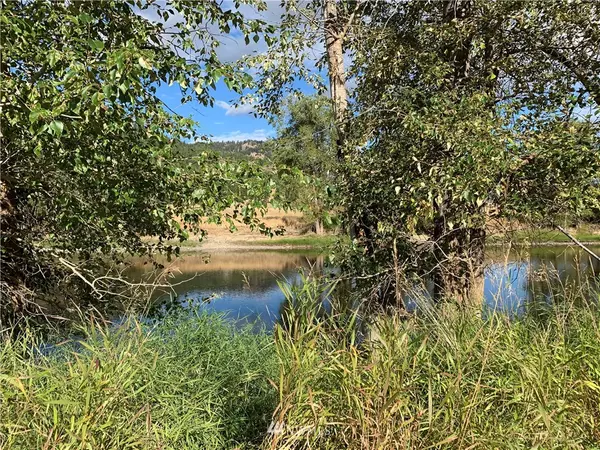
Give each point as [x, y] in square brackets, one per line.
[224, 122]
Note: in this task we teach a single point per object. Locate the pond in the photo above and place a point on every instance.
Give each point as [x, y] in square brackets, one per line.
[243, 284]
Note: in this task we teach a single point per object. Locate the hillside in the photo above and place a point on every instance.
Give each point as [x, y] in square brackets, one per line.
[231, 149]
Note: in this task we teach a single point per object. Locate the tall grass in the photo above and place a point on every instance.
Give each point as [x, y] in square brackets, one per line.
[186, 382]
[445, 378]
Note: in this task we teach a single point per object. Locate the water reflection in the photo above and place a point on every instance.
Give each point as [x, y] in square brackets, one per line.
[514, 281]
[243, 284]
[240, 284]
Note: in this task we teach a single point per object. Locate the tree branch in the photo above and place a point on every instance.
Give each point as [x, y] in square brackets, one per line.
[570, 236]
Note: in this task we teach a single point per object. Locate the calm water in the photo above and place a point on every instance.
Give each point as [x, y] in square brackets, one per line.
[243, 284]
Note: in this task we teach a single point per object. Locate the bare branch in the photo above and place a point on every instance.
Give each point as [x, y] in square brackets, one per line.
[570, 236]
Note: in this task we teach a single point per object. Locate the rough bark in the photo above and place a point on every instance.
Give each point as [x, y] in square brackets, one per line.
[337, 75]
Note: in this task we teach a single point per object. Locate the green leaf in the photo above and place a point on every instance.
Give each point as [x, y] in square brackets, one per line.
[107, 90]
[37, 150]
[96, 44]
[216, 75]
[96, 98]
[85, 18]
[57, 127]
[53, 57]
[145, 64]
[35, 114]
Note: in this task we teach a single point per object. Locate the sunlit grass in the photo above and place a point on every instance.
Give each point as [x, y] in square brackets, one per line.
[545, 237]
[445, 378]
[188, 382]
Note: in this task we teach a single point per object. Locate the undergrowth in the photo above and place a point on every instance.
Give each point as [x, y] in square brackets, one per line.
[443, 378]
[186, 382]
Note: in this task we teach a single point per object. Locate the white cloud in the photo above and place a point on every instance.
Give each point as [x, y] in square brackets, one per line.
[219, 123]
[256, 135]
[231, 110]
[233, 46]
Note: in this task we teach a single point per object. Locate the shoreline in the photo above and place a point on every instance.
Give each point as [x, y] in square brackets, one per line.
[248, 247]
[257, 246]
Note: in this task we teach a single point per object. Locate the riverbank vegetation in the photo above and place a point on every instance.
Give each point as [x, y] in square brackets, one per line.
[443, 378]
[544, 236]
[448, 116]
[441, 118]
[187, 381]
[461, 124]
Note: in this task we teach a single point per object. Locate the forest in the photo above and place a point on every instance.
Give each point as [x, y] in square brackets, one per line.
[404, 253]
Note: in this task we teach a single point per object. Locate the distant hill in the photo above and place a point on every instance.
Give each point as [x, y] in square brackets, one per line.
[233, 149]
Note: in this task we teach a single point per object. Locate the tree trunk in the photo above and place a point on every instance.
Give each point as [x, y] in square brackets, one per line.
[459, 260]
[358, 221]
[318, 227]
[458, 252]
[337, 74]
[334, 38]
[15, 258]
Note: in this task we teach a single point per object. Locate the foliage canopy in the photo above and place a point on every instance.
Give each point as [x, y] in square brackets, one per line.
[461, 112]
[86, 140]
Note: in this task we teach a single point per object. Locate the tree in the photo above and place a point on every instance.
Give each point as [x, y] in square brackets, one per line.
[335, 30]
[472, 118]
[305, 28]
[87, 143]
[305, 141]
[463, 111]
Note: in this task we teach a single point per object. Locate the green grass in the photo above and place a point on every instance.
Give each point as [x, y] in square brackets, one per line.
[444, 379]
[187, 383]
[327, 240]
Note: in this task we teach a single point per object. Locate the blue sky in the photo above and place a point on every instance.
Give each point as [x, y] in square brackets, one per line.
[223, 122]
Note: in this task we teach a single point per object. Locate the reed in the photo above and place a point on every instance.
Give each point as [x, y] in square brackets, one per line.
[444, 378]
[189, 381]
